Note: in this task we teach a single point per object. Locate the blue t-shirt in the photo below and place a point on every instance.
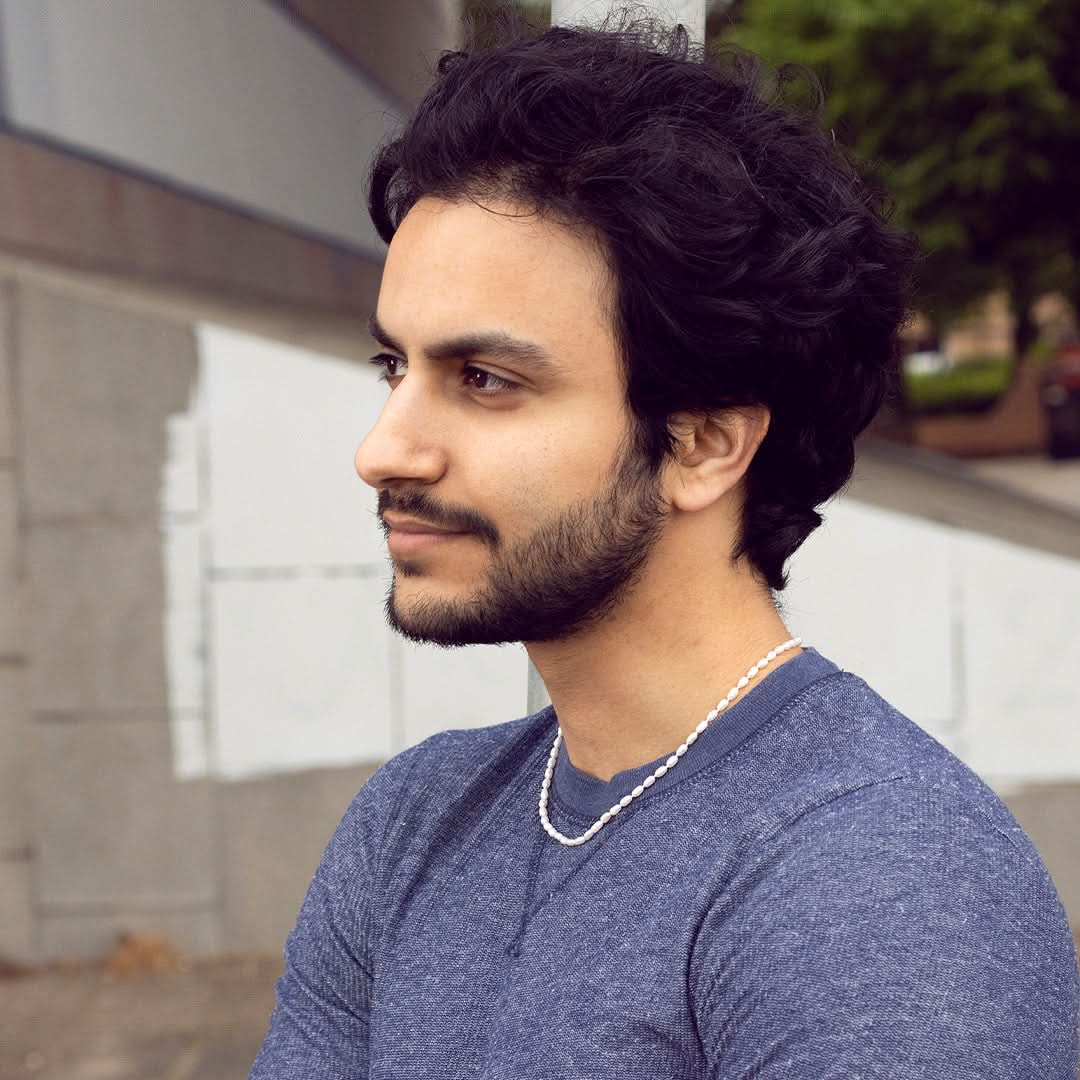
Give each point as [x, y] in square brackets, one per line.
[818, 890]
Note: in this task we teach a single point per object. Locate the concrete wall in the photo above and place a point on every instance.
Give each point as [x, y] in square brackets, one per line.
[186, 706]
[397, 43]
[17, 932]
[231, 99]
[108, 831]
[196, 674]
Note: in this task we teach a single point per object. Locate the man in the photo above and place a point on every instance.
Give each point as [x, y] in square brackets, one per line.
[633, 314]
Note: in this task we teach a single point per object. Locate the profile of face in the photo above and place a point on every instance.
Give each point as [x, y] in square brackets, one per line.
[524, 451]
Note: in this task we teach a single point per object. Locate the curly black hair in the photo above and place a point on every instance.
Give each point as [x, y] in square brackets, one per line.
[751, 259]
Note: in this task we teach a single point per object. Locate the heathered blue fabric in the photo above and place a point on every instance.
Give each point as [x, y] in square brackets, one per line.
[818, 890]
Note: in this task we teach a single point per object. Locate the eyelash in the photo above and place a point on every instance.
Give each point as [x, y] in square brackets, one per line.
[502, 386]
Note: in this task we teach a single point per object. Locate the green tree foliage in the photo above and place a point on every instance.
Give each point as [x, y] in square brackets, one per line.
[969, 111]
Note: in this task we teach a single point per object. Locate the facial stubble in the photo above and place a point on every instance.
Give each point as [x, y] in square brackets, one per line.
[563, 578]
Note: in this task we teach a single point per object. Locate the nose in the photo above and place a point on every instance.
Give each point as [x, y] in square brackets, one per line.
[402, 447]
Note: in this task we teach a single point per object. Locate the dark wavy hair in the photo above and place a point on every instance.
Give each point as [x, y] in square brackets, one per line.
[751, 259]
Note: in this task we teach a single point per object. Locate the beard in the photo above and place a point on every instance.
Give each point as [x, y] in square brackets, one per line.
[566, 576]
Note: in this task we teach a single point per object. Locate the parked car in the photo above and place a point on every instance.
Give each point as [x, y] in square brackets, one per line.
[1060, 391]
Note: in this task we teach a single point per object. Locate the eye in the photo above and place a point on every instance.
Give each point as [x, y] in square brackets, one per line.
[384, 360]
[494, 384]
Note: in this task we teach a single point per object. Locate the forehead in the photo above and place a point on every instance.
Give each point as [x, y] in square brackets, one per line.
[460, 267]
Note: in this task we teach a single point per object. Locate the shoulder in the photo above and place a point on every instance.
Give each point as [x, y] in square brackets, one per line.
[453, 755]
[883, 882]
[456, 757]
[402, 806]
[839, 741]
[443, 771]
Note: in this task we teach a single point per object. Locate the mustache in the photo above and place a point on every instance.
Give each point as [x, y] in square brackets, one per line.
[420, 507]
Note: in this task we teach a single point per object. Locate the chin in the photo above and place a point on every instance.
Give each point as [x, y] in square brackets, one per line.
[427, 615]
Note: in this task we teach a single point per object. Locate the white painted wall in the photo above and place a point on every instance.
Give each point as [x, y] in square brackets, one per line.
[228, 98]
[874, 591]
[280, 657]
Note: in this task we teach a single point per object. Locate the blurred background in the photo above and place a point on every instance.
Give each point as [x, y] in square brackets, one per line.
[196, 675]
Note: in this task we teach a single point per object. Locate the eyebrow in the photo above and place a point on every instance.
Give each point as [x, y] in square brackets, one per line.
[479, 343]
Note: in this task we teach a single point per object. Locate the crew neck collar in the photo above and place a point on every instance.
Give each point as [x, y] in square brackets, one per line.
[588, 796]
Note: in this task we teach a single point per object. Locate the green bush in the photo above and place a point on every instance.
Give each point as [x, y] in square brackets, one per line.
[969, 384]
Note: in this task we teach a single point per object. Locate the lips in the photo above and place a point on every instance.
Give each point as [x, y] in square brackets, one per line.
[403, 542]
[420, 528]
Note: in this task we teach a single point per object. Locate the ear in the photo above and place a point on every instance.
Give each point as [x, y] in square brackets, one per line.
[713, 453]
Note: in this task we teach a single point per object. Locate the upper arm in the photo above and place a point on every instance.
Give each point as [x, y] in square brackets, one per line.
[319, 1026]
[886, 934]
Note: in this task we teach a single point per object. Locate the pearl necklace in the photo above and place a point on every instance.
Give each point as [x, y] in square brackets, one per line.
[671, 762]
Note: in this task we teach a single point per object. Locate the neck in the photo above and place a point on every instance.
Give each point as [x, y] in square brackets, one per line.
[630, 689]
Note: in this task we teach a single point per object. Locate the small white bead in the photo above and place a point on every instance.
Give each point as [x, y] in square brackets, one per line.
[660, 772]
[771, 654]
[626, 800]
[753, 671]
[672, 761]
[681, 749]
[703, 725]
[713, 714]
[691, 738]
[648, 781]
[615, 809]
[638, 790]
[605, 817]
[732, 694]
[742, 682]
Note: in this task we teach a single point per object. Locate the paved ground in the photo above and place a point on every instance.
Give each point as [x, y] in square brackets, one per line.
[205, 1023]
[1056, 482]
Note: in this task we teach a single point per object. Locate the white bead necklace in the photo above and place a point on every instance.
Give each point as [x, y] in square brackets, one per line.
[671, 762]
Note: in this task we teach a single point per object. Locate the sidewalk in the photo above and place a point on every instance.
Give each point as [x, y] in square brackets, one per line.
[203, 1023]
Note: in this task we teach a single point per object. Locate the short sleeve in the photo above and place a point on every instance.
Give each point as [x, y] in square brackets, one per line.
[319, 1025]
[891, 934]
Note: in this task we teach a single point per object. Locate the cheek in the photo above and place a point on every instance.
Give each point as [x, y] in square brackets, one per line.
[534, 468]
[547, 479]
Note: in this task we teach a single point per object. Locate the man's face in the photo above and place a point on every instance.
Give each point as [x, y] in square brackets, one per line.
[557, 519]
